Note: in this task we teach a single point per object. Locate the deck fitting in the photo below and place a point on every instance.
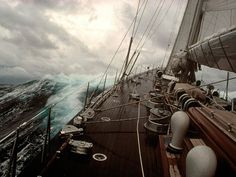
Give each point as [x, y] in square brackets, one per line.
[99, 157]
[105, 119]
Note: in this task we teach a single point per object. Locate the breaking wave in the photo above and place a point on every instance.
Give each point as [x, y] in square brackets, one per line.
[70, 99]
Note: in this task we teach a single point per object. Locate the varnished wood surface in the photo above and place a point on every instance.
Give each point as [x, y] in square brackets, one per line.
[218, 140]
[117, 140]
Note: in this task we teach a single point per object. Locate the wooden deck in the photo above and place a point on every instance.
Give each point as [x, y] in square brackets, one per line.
[117, 139]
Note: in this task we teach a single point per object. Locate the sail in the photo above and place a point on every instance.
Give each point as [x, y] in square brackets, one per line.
[217, 37]
[217, 51]
[187, 31]
[218, 15]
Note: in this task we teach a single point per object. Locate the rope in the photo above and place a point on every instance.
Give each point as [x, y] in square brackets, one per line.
[157, 11]
[152, 25]
[126, 104]
[139, 148]
[113, 57]
[123, 65]
[179, 6]
[151, 22]
[135, 18]
[216, 116]
[140, 18]
[154, 32]
[119, 120]
[168, 94]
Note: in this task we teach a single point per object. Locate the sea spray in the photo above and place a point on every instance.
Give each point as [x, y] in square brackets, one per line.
[69, 101]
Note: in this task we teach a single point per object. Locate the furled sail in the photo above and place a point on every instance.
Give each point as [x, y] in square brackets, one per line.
[217, 37]
[217, 51]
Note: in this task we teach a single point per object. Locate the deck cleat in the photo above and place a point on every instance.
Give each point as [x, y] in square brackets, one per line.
[70, 130]
[77, 121]
[88, 114]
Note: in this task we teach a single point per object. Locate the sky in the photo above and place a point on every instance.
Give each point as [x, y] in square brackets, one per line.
[49, 37]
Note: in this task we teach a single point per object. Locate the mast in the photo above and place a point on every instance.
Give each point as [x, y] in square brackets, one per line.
[127, 57]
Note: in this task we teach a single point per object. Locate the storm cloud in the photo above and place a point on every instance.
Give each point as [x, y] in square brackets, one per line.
[39, 37]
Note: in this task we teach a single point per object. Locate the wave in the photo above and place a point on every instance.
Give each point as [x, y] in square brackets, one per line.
[69, 100]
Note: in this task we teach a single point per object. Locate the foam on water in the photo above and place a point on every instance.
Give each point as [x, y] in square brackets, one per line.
[69, 100]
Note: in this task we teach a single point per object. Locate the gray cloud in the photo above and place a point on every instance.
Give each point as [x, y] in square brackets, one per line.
[32, 44]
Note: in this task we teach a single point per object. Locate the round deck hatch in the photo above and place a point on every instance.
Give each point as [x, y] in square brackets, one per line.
[106, 119]
[99, 157]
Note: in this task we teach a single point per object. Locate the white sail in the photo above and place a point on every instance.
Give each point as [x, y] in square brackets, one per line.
[218, 15]
[219, 5]
[187, 30]
[208, 33]
[217, 37]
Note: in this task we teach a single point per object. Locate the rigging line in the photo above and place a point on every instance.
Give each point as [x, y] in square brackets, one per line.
[138, 140]
[151, 22]
[179, 6]
[131, 41]
[153, 26]
[135, 18]
[126, 34]
[154, 32]
[231, 19]
[134, 63]
[157, 10]
[121, 71]
[217, 117]
[141, 17]
[117, 120]
[137, 30]
[131, 59]
[113, 57]
[181, 26]
[213, 100]
[168, 94]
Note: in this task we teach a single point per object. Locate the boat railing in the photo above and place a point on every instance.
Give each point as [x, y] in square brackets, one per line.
[29, 138]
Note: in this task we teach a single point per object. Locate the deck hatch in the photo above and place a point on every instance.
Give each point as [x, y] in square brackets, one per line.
[99, 157]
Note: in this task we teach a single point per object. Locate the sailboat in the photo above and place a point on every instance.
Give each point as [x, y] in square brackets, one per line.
[159, 122]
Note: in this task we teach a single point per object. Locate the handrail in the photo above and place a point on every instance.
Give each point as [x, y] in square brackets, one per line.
[12, 165]
[24, 124]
